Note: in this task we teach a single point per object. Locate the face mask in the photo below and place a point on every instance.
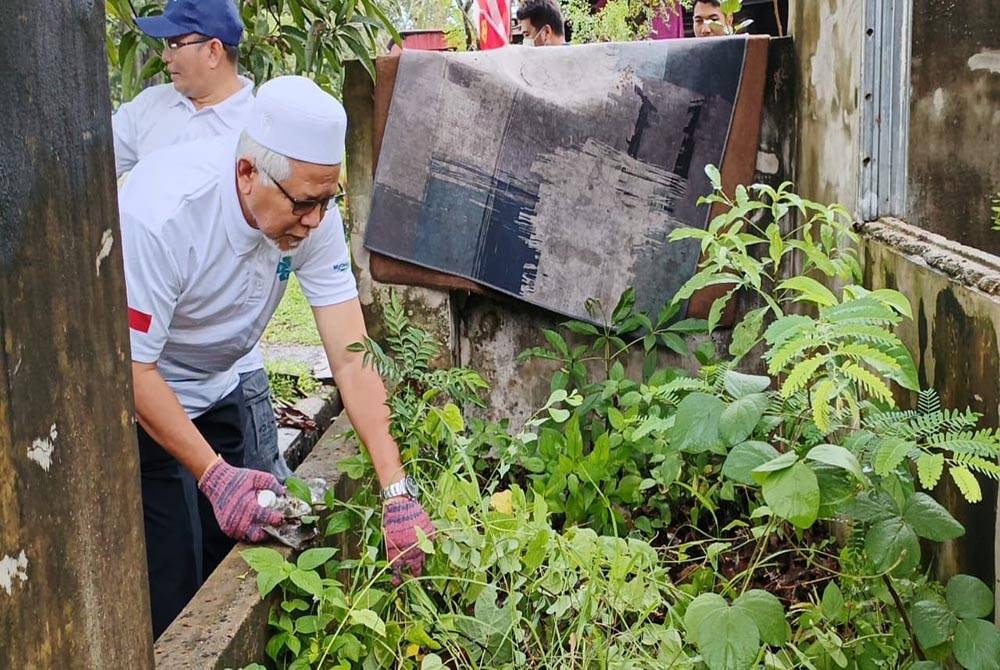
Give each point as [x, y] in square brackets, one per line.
[528, 43]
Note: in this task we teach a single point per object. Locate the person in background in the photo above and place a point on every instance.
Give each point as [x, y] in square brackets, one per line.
[541, 23]
[708, 19]
[207, 97]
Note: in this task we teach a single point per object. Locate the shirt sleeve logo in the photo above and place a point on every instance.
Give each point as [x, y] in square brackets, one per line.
[139, 321]
[284, 268]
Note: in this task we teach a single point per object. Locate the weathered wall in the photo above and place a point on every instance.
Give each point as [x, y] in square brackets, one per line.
[828, 47]
[955, 119]
[73, 591]
[955, 338]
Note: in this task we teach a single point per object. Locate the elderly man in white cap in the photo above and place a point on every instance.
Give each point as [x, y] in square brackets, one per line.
[211, 232]
[206, 97]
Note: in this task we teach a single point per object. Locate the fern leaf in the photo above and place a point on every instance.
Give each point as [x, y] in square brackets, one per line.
[890, 453]
[876, 335]
[966, 483]
[977, 464]
[929, 469]
[866, 354]
[780, 358]
[868, 381]
[821, 397]
[802, 374]
[864, 310]
[928, 401]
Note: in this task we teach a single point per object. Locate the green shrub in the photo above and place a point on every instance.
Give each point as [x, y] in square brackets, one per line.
[671, 520]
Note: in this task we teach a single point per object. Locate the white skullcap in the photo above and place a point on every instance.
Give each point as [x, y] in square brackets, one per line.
[296, 118]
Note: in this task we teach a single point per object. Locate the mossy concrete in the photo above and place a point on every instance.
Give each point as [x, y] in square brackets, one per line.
[955, 337]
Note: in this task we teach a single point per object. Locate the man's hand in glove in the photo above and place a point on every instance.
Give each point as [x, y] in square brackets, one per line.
[233, 494]
[401, 517]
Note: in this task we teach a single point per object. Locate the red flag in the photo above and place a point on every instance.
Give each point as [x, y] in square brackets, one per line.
[494, 23]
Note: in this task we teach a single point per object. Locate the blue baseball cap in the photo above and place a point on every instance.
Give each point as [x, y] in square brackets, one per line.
[211, 18]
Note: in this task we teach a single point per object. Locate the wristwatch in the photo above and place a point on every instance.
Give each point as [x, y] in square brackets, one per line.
[406, 486]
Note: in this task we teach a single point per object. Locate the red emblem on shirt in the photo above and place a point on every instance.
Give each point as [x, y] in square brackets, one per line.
[139, 320]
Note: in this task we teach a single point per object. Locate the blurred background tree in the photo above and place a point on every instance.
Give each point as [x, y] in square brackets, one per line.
[307, 37]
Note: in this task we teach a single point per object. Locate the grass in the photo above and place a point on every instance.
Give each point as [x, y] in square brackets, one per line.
[290, 379]
[293, 322]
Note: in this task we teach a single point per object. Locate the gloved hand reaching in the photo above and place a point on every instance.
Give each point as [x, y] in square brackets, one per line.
[233, 494]
[400, 519]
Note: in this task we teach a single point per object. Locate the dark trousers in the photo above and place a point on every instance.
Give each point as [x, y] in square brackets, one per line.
[184, 543]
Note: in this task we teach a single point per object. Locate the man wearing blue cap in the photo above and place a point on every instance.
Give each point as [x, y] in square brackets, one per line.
[210, 234]
[207, 98]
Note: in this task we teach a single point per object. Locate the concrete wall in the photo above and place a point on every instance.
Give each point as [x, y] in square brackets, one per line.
[828, 47]
[955, 119]
[73, 589]
[955, 338]
[954, 165]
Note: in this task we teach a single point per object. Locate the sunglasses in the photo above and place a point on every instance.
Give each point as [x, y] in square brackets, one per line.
[303, 207]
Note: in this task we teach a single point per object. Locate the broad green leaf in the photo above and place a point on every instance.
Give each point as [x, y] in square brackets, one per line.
[432, 662]
[310, 559]
[782, 462]
[809, 290]
[558, 415]
[262, 559]
[268, 580]
[933, 622]
[728, 640]
[368, 619]
[746, 334]
[740, 417]
[700, 609]
[892, 544]
[308, 581]
[298, 489]
[894, 299]
[744, 458]
[768, 613]
[714, 177]
[740, 385]
[338, 522]
[837, 456]
[793, 494]
[452, 417]
[929, 519]
[871, 506]
[696, 426]
[832, 601]
[929, 469]
[969, 597]
[977, 645]
[966, 483]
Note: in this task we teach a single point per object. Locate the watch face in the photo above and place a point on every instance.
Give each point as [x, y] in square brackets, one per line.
[411, 487]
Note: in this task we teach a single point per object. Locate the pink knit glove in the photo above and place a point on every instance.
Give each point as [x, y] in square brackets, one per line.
[233, 494]
[400, 520]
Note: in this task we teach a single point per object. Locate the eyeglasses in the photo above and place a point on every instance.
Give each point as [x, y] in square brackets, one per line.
[172, 44]
[303, 207]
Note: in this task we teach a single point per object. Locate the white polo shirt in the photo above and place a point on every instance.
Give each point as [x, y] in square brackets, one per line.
[201, 283]
[161, 117]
